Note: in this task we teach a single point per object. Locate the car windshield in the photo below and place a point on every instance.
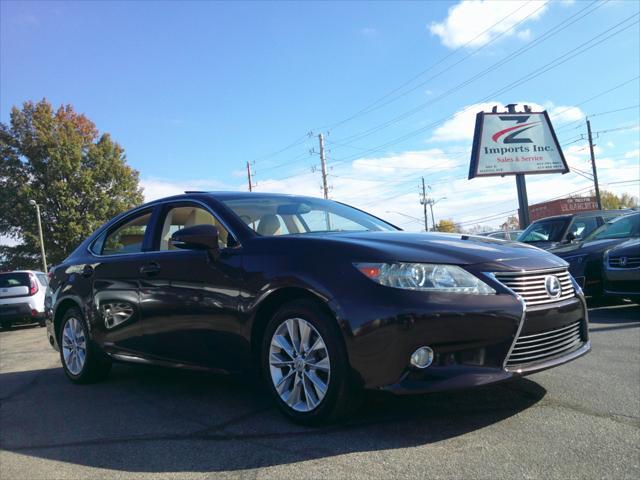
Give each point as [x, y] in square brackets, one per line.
[280, 215]
[621, 227]
[544, 231]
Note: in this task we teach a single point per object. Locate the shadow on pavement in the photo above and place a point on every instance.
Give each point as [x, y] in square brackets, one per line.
[625, 313]
[153, 420]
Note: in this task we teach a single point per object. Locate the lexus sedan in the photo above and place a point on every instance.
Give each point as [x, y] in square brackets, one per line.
[325, 299]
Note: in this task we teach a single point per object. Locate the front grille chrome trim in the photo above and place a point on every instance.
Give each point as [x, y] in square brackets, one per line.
[530, 339]
[530, 285]
[545, 345]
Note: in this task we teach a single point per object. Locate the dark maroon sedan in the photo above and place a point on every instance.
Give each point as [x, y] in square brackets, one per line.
[325, 299]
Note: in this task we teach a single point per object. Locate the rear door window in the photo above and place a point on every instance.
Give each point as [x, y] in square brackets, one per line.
[128, 237]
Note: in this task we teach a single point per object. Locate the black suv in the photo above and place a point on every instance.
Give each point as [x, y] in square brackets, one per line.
[553, 231]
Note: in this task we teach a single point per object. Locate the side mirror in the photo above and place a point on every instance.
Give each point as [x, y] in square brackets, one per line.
[198, 237]
[570, 237]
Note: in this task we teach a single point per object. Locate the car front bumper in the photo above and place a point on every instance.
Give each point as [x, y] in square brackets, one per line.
[622, 282]
[472, 339]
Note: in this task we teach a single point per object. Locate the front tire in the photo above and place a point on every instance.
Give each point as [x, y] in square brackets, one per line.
[305, 364]
[82, 360]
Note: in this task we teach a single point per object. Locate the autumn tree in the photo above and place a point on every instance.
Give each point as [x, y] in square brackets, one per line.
[447, 225]
[512, 223]
[78, 176]
[611, 201]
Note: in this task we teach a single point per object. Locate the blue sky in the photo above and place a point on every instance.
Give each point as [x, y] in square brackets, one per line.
[193, 90]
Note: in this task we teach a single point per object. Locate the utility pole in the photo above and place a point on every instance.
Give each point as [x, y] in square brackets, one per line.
[44, 257]
[433, 220]
[249, 178]
[424, 203]
[593, 166]
[323, 166]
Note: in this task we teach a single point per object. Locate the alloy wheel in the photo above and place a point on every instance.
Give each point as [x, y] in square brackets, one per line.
[74, 345]
[299, 364]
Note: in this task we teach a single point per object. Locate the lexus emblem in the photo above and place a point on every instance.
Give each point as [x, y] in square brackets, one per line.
[623, 261]
[552, 286]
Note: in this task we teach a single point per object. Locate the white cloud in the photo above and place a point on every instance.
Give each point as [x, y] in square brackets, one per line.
[633, 153]
[467, 21]
[419, 159]
[461, 126]
[158, 188]
[524, 34]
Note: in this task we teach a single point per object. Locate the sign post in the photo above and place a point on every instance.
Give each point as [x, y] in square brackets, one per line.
[513, 143]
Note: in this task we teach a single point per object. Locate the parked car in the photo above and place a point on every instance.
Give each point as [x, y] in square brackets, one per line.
[586, 258]
[323, 298]
[22, 295]
[551, 232]
[621, 272]
[503, 234]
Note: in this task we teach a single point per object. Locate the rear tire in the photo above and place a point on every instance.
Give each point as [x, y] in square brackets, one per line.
[312, 383]
[82, 360]
[5, 325]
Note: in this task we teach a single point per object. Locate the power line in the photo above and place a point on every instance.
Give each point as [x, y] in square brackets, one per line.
[526, 78]
[548, 34]
[369, 108]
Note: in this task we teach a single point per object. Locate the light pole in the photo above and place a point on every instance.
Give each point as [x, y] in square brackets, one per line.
[44, 257]
[431, 203]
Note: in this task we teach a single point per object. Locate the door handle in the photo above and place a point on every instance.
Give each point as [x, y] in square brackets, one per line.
[87, 271]
[150, 268]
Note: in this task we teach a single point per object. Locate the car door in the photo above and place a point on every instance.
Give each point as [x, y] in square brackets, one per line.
[189, 299]
[119, 256]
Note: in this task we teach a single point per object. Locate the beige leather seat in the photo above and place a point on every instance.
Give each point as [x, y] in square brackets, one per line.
[269, 225]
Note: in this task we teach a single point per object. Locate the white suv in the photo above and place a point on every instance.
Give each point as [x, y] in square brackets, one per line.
[22, 297]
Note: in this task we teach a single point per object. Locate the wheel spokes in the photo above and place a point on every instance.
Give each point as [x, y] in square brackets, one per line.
[299, 364]
[318, 384]
[294, 334]
[284, 345]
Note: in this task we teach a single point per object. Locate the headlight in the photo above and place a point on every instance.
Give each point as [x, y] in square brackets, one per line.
[425, 277]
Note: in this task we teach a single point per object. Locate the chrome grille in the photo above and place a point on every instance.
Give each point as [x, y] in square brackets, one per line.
[623, 261]
[538, 347]
[531, 285]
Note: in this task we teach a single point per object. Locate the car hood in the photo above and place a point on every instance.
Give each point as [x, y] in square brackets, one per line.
[441, 248]
[544, 245]
[585, 248]
[629, 246]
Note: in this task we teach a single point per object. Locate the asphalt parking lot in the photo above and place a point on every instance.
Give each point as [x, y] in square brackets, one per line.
[580, 420]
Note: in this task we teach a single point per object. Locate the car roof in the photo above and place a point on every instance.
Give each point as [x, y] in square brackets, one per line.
[224, 195]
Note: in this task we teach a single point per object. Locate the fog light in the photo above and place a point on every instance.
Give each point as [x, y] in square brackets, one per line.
[422, 357]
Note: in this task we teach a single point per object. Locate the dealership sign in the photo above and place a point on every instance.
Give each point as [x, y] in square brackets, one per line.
[562, 206]
[513, 143]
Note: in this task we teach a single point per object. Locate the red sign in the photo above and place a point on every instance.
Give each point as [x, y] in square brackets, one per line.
[561, 207]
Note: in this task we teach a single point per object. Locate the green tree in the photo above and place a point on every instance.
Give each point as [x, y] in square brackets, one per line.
[611, 201]
[447, 225]
[79, 177]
